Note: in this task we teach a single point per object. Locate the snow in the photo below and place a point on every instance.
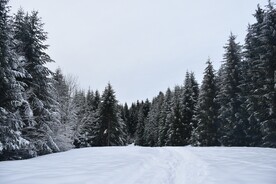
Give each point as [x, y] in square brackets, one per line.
[138, 165]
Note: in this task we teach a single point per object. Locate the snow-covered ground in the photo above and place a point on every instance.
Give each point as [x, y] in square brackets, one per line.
[127, 165]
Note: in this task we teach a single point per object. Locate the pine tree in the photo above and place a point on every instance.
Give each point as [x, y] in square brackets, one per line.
[250, 75]
[195, 93]
[12, 102]
[176, 133]
[112, 128]
[205, 134]
[153, 121]
[231, 125]
[260, 80]
[142, 117]
[133, 120]
[30, 38]
[188, 104]
[165, 118]
[268, 36]
[126, 118]
[81, 118]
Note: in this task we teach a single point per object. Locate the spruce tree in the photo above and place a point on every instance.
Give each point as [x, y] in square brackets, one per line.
[188, 104]
[12, 102]
[177, 132]
[268, 36]
[205, 134]
[229, 115]
[112, 128]
[153, 121]
[133, 120]
[143, 112]
[260, 80]
[64, 136]
[165, 118]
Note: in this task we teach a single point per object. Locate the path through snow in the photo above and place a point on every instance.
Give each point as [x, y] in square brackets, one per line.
[137, 165]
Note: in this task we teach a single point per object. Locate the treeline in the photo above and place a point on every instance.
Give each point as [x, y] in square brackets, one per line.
[42, 112]
[30, 116]
[235, 106]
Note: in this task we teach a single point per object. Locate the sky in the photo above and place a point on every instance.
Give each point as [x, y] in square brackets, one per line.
[140, 46]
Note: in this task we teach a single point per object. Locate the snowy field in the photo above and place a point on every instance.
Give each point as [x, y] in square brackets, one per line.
[127, 165]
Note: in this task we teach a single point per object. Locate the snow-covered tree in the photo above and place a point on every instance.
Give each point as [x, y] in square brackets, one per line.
[260, 80]
[133, 120]
[12, 102]
[165, 118]
[111, 126]
[143, 112]
[229, 116]
[176, 133]
[205, 134]
[30, 38]
[188, 104]
[153, 121]
[63, 94]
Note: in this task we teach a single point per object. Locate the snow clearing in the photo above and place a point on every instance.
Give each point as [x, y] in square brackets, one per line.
[140, 165]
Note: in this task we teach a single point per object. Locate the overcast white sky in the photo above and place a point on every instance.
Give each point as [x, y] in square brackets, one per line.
[140, 46]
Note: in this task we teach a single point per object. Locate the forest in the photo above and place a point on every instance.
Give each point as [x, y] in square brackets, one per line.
[43, 111]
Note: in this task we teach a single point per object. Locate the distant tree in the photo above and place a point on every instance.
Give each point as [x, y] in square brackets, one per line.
[79, 100]
[112, 128]
[133, 120]
[142, 116]
[205, 134]
[63, 94]
[153, 121]
[188, 102]
[176, 133]
[165, 118]
[96, 100]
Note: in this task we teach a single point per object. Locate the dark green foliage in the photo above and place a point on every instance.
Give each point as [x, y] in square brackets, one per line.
[176, 133]
[142, 117]
[205, 134]
[260, 57]
[133, 119]
[153, 121]
[188, 105]
[111, 126]
[165, 118]
[231, 125]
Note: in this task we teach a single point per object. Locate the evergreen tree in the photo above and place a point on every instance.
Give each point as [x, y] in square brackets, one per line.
[260, 80]
[112, 128]
[153, 120]
[188, 104]
[133, 120]
[81, 116]
[268, 36]
[176, 133]
[12, 102]
[63, 96]
[250, 76]
[142, 116]
[205, 134]
[126, 118]
[165, 118]
[231, 125]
